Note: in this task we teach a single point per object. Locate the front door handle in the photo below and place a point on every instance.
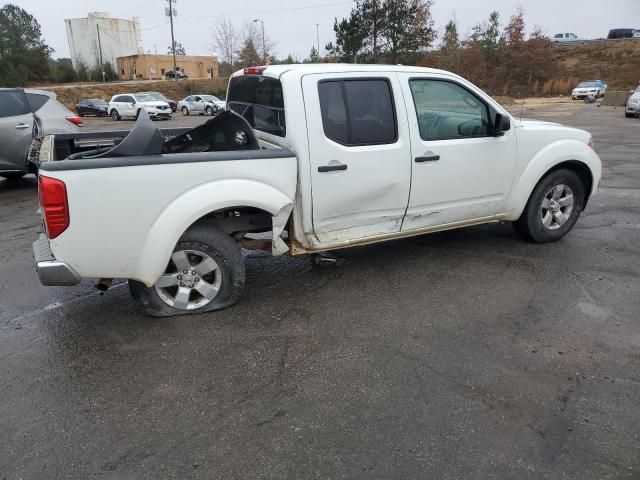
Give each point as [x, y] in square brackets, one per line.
[331, 168]
[430, 158]
[22, 126]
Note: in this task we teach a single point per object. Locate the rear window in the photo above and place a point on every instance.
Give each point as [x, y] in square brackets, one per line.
[259, 100]
[13, 103]
[36, 100]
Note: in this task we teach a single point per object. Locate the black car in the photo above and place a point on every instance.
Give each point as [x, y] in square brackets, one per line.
[621, 33]
[92, 106]
[158, 96]
[180, 75]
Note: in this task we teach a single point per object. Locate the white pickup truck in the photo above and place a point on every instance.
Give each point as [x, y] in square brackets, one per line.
[321, 157]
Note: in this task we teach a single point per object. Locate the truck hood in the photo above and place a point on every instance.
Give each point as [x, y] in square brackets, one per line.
[552, 130]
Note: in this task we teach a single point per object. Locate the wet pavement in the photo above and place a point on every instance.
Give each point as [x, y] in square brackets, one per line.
[465, 354]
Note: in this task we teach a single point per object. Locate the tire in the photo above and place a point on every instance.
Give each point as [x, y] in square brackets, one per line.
[115, 116]
[628, 115]
[539, 224]
[202, 243]
[13, 175]
[208, 111]
[185, 111]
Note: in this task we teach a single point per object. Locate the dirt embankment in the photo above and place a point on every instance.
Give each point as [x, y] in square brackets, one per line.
[71, 94]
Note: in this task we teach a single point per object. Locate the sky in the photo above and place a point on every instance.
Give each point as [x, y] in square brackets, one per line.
[292, 25]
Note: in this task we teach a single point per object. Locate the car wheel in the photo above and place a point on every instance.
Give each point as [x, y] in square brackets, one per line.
[185, 111]
[208, 111]
[553, 207]
[206, 272]
[13, 175]
[115, 115]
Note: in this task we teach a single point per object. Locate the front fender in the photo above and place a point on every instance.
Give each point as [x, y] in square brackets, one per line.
[550, 156]
[186, 209]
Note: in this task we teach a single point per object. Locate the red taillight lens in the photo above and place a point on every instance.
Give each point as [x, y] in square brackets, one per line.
[254, 70]
[75, 120]
[55, 208]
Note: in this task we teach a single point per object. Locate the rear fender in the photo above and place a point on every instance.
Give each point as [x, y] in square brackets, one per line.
[552, 155]
[185, 210]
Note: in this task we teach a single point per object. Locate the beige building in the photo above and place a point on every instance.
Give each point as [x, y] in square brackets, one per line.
[149, 67]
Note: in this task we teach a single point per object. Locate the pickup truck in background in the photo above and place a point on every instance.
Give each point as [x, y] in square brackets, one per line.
[307, 159]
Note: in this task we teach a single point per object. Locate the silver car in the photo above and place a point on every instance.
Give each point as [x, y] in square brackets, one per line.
[24, 115]
[632, 108]
[201, 105]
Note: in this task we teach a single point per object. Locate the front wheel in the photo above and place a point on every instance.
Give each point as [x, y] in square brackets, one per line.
[115, 115]
[553, 207]
[205, 273]
[208, 111]
[185, 111]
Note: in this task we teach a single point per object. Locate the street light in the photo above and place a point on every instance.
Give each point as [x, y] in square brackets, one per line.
[264, 49]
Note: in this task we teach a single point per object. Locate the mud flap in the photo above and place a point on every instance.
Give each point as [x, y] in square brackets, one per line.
[279, 221]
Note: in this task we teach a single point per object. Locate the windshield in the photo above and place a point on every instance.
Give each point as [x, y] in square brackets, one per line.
[587, 84]
[97, 101]
[144, 97]
[156, 95]
[210, 98]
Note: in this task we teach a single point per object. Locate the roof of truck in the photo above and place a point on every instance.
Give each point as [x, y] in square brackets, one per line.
[309, 68]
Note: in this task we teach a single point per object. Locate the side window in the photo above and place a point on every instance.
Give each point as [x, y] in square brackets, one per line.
[129, 99]
[117, 99]
[36, 100]
[358, 112]
[447, 111]
[13, 103]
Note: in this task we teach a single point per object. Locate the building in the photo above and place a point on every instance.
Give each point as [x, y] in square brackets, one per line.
[97, 34]
[149, 67]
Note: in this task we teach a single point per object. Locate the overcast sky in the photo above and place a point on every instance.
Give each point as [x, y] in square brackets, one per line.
[292, 25]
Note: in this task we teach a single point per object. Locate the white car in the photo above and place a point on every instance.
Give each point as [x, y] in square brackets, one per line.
[633, 105]
[201, 105]
[128, 105]
[587, 88]
[339, 155]
[566, 38]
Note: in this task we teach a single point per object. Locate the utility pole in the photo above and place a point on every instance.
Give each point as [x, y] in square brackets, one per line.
[264, 47]
[318, 38]
[100, 50]
[173, 41]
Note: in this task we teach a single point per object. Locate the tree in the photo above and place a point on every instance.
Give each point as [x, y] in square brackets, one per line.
[314, 57]
[264, 46]
[487, 36]
[407, 28]
[226, 41]
[350, 38]
[179, 49]
[450, 47]
[24, 55]
[248, 56]
[62, 70]
[372, 18]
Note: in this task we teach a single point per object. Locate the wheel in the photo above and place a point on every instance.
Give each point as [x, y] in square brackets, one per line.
[185, 111]
[13, 175]
[628, 115]
[208, 111]
[115, 115]
[553, 207]
[205, 273]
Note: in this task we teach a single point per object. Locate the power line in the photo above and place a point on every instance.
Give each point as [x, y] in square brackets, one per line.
[137, 8]
[265, 12]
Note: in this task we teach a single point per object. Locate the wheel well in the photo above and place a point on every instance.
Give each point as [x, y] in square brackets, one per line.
[582, 170]
[238, 221]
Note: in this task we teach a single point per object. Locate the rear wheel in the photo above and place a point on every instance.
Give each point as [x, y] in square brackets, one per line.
[205, 273]
[185, 111]
[115, 115]
[553, 207]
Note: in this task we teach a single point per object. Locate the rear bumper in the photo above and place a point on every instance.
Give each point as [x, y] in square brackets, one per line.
[51, 271]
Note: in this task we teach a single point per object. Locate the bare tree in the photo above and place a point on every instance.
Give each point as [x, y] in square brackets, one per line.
[252, 33]
[226, 42]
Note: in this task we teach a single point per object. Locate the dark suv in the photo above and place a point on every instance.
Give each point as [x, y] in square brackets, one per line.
[621, 33]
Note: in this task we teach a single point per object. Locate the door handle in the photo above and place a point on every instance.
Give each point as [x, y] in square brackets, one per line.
[331, 168]
[430, 158]
[22, 126]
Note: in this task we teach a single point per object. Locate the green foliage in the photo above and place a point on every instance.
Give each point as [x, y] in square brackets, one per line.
[248, 55]
[314, 56]
[62, 71]
[220, 92]
[24, 56]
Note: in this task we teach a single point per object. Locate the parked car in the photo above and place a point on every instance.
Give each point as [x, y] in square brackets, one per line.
[130, 105]
[201, 104]
[596, 88]
[158, 96]
[92, 106]
[338, 156]
[621, 33]
[566, 38]
[23, 115]
[636, 34]
[170, 75]
[633, 104]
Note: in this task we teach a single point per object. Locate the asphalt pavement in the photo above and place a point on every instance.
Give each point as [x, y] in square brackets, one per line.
[468, 354]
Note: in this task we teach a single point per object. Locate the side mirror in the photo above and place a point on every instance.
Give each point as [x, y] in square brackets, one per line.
[502, 124]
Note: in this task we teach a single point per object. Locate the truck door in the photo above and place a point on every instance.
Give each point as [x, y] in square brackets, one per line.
[461, 172]
[16, 127]
[359, 153]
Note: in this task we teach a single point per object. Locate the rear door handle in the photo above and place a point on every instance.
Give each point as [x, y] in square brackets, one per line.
[430, 158]
[331, 168]
[22, 126]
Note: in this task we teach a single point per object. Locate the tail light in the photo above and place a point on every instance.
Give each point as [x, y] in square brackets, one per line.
[75, 120]
[254, 70]
[54, 205]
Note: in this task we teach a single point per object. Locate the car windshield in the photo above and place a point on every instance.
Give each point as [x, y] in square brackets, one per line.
[587, 84]
[210, 98]
[144, 97]
[97, 101]
[156, 95]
